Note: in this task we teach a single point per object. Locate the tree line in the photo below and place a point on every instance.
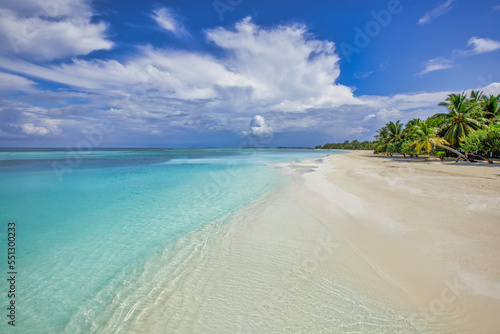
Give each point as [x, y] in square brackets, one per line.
[468, 130]
[346, 145]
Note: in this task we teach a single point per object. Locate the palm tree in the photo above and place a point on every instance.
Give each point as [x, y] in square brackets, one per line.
[476, 96]
[425, 137]
[382, 135]
[462, 118]
[382, 139]
[412, 122]
[394, 131]
[408, 129]
[491, 107]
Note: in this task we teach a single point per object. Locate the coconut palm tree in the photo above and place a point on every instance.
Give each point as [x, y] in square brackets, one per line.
[412, 122]
[394, 131]
[462, 118]
[381, 140]
[382, 135]
[476, 96]
[491, 107]
[425, 137]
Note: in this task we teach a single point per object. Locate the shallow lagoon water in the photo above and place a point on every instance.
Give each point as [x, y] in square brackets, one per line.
[184, 240]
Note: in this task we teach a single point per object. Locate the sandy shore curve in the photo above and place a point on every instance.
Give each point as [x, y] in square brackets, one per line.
[429, 227]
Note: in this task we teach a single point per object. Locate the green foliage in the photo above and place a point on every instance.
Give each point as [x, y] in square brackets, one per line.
[491, 107]
[465, 115]
[408, 148]
[441, 154]
[394, 131]
[471, 123]
[425, 138]
[482, 141]
[472, 143]
[346, 145]
[394, 147]
[380, 148]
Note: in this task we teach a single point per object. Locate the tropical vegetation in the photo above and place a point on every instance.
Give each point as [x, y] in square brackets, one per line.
[346, 145]
[469, 129]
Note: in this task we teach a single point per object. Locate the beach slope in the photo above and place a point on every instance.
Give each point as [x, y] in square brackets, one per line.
[429, 227]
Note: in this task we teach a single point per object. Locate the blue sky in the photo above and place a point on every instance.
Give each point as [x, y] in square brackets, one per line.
[234, 73]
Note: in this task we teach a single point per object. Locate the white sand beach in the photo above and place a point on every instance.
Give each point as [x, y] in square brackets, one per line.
[356, 243]
[429, 227]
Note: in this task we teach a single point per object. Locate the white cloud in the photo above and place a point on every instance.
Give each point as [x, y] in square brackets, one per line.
[31, 129]
[386, 114]
[46, 31]
[493, 88]
[362, 75]
[368, 117]
[358, 130]
[497, 7]
[284, 63]
[436, 12]
[59, 8]
[45, 127]
[280, 69]
[406, 101]
[482, 45]
[11, 82]
[166, 19]
[291, 106]
[53, 125]
[279, 76]
[259, 128]
[437, 64]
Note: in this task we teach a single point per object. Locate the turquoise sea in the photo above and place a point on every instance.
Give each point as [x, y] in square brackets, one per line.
[184, 241]
[87, 223]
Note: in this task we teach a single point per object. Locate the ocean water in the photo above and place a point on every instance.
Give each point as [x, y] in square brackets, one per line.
[90, 226]
[183, 241]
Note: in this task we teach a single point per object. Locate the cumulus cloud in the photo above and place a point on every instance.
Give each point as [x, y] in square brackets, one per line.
[259, 128]
[482, 45]
[436, 64]
[279, 77]
[167, 20]
[44, 127]
[284, 63]
[20, 120]
[437, 11]
[45, 31]
[31, 129]
[279, 69]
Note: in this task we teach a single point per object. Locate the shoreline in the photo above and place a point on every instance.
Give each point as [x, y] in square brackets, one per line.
[273, 266]
[428, 227]
[336, 247]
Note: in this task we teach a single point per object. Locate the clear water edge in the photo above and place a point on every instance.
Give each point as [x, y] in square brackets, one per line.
[106, 250]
